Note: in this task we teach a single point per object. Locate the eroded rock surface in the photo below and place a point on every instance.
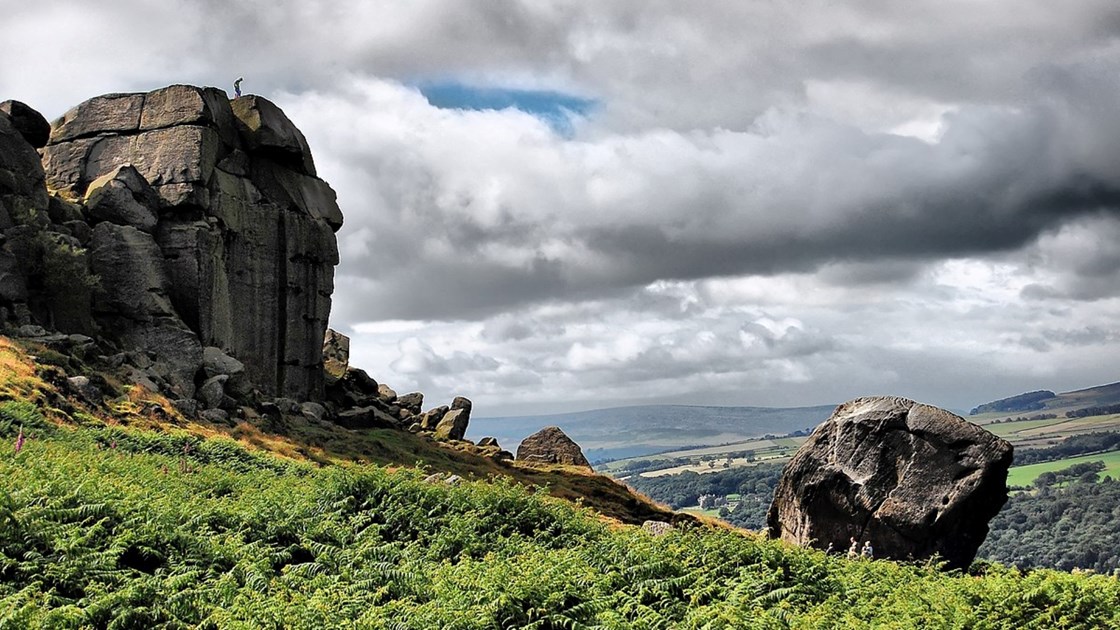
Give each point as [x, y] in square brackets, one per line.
[552, 446]
[183, 221]
[913, 479]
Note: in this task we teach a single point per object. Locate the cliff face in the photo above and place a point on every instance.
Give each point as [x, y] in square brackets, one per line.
[180, 220]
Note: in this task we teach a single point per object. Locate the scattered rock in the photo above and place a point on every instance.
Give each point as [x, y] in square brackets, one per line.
[365, 418]
[551, 445]
[215, 416]
[189, 407]
[336, 356]
[453, 425]
[413, 402]
[287, 406]
[657, 528]
[31, 330]
[386, 393]
[212, 394]
[430, 419]
[488, 441]
[912, 479]
[501, 456]
[85, 389]
[313, 411]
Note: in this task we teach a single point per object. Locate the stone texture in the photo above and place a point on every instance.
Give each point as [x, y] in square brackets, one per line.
[430, 419]
[365, 418]
[488, 441]
[550, 445]
[412, 401]
[124, 197]
[336, 356]
[23, 195]
[267, 131]
[244, 232]
[108, 113]
[453, 425]
[134, 302]
[386, 393]
[29, 123]
[913, 479]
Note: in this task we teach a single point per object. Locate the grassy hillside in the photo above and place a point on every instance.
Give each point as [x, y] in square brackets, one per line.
[106, 527]
[123, 515]
[37, 375]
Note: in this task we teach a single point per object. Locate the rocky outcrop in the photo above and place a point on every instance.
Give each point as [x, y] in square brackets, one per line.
[170, 222]
[551, 446]
[912, 479]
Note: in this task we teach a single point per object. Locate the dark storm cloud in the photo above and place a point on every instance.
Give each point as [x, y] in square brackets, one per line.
[527, 227]
[771, 203]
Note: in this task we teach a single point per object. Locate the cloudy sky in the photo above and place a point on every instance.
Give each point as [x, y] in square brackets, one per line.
[554, 206]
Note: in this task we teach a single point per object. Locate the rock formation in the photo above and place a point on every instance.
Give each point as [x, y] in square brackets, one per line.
[171, 222]
[913, 479]
[550, 445]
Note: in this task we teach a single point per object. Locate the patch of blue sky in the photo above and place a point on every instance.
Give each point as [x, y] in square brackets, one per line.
[557, 109]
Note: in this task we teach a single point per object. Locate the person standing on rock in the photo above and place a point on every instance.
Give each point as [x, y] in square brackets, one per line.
[853, 551]
[237, 87]
[867, 551]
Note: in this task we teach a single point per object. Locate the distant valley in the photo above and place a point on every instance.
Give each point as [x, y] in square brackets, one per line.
[642, 430]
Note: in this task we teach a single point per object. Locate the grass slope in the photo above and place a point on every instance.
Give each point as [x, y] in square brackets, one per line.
[37, 375]
[103, 527]
[1024, 475]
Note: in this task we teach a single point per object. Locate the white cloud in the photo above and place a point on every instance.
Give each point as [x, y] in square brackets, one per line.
[767, 205]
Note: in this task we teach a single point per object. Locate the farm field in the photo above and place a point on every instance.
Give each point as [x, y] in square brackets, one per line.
[1024, 475]
[709, 459]
[1038, 432]
[706, 467]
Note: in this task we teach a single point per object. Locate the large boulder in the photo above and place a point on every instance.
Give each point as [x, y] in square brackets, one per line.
[550, 445]
[912, 479]
[453, 425]
[243, 230]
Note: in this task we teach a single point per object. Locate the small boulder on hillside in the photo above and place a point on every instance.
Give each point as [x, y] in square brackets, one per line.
[550, 445]
[911, 479]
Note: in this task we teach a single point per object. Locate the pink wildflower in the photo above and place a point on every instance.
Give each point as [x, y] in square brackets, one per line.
[19, 441]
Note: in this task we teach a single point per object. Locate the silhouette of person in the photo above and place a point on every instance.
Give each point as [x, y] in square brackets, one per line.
[867, 551]
[237, 87]
[853, 551]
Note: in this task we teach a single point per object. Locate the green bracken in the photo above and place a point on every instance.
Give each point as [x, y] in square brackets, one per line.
[119, 528]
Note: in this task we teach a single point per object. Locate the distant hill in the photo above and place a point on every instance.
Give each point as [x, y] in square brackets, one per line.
[1043, 400]
[641, 430]
[1031, 401]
